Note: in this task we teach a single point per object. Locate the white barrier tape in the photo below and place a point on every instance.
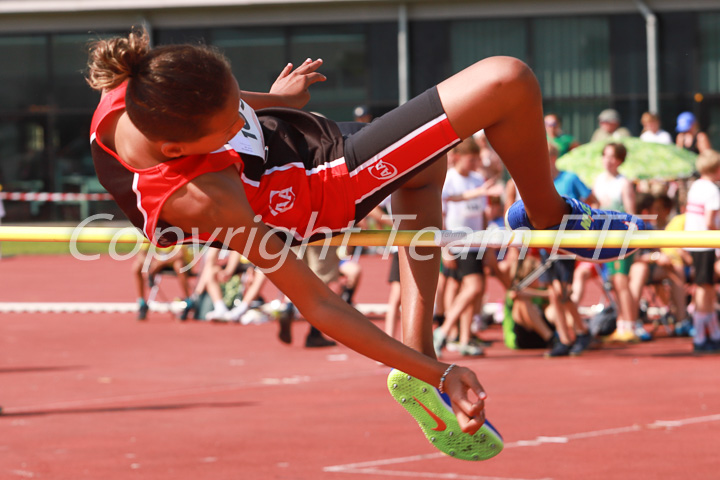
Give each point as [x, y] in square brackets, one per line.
[53, 196]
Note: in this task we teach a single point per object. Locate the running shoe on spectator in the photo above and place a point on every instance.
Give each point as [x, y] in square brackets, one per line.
[439, 341]
[558, 349]
[142, 309]
[622, 337]
[641, 333]
[707, 347]
[582, 343]
[470, 350]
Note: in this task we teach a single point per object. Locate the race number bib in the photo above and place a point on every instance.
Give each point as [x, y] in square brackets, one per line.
[249, 140]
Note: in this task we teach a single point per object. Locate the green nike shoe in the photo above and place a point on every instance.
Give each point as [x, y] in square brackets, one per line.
[433, 412]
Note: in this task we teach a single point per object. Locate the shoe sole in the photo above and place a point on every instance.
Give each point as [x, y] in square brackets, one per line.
[435, 417]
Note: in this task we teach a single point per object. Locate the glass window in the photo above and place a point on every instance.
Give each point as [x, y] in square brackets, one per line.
[257, 55]
[23, 162]
[24, 75]
[343, 50]
[69, 55]
[471, 41]
[710, 53]
[571, 56]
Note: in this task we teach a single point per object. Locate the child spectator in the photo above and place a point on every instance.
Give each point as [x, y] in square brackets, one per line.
[701, 213]
[614, 191]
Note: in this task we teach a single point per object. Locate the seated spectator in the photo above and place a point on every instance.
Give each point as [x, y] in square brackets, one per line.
[177, 257]
[524, 322]
[219, 269]
[655, 268]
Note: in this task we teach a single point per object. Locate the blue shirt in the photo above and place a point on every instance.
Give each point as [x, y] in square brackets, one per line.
[570, 185]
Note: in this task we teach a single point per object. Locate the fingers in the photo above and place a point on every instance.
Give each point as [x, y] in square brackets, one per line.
[469, 408]
[285, 71]
[309, 66]
[315, 77]
[470, 425]
[470, 415]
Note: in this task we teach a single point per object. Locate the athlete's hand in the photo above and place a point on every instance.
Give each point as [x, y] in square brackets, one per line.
[293, 85]
[470, 414]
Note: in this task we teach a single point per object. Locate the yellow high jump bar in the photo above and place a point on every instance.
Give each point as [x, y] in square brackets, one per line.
[442, 238]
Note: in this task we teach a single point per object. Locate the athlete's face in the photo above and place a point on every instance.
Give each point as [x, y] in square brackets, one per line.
[223, 126]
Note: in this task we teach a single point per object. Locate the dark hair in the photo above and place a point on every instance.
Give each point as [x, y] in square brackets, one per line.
[619, 150]
[172, 90]
[644, 202]
[665, 201]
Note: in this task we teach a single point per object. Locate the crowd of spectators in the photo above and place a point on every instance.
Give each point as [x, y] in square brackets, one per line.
[664, 289]
[653, 290]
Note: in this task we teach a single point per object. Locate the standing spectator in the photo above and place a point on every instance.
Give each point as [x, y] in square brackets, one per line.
[563, 141]
[614, 191]
[689, 135]
[703, 204]
[609, 128]
[464, 195]
[177, 258]
[652, 131]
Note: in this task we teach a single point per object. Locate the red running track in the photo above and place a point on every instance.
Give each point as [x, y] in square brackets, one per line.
[101, 396]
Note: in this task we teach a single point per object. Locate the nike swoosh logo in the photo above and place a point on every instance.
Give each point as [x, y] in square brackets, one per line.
[440, 423]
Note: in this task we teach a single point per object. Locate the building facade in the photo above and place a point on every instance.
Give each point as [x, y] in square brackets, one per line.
[630, 55]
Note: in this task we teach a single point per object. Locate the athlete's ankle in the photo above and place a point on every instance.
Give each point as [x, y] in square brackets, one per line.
[548, 214]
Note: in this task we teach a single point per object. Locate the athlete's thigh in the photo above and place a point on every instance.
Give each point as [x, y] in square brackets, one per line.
[383, 155]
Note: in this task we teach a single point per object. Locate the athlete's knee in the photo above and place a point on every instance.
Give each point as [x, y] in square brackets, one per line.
[511, 76]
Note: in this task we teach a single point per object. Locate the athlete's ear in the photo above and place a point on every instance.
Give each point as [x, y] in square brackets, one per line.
[172, 149]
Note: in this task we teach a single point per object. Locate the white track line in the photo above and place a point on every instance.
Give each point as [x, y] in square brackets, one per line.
[369, 468]
[129, 307]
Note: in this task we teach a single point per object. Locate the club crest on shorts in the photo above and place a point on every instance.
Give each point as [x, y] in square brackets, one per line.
[281, 200]
[383, 170]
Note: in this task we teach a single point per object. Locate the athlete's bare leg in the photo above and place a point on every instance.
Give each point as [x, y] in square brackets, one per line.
[419, 267]
[502, 95]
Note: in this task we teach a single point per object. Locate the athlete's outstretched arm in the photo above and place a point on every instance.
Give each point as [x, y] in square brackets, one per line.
[218, 200]
[290, 88]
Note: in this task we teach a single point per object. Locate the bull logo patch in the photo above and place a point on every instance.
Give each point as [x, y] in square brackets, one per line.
[382, 170]
[281, 200]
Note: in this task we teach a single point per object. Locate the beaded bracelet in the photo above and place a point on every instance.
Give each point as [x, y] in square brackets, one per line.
[441, 388]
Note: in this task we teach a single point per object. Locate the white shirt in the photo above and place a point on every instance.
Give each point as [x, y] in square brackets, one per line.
[661, 136]
[465, 214]
[609, 191]
[703, 195]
